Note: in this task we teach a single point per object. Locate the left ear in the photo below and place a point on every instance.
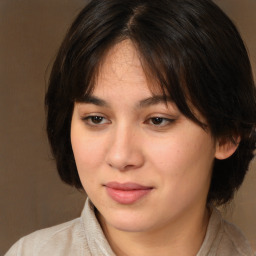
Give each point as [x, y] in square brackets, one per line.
[226, 147]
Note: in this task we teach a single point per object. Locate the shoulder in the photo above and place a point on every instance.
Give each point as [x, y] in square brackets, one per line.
[223, 238]
[62, 239]
[233, 240]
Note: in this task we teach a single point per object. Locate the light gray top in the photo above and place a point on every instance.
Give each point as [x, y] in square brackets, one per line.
[84, 237]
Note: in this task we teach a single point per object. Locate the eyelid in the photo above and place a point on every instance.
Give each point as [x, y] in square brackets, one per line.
[169, 120]
[88, 119]
[166, 116]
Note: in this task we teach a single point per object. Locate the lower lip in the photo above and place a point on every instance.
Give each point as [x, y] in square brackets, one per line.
[127, 196]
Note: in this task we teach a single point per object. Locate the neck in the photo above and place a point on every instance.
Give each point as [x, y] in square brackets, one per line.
[183, 237]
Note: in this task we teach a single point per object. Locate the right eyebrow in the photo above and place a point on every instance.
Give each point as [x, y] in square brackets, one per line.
[93, 100]
[154, 100]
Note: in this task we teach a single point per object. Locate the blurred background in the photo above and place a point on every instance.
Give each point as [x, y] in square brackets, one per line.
[31, 194]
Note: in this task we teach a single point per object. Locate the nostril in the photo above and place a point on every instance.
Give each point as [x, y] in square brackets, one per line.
[125, 164]
[122, 167]
[124, 152]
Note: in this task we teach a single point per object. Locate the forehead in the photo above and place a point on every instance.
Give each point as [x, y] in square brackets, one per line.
[122, 66]
[122, 61]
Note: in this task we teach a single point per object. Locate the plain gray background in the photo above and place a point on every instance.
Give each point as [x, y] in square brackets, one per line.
[32, 196]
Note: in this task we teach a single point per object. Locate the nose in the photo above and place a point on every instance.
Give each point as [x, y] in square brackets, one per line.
[125, 150]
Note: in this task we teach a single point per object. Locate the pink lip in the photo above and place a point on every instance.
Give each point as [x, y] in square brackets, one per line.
[126, 193]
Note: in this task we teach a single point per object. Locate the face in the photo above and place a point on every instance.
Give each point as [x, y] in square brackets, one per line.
[143, 164]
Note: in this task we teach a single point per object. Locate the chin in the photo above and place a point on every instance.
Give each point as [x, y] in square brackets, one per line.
[129, 222]
[130, 226]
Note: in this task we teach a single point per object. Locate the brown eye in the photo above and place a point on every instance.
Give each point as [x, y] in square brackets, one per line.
[96, 119]
[157, 120]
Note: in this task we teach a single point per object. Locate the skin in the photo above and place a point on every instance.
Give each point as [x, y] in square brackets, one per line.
[125, 142]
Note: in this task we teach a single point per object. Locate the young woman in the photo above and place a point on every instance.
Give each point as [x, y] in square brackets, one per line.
[152, 111]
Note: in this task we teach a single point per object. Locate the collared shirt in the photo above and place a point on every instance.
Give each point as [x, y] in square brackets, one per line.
[84, 237]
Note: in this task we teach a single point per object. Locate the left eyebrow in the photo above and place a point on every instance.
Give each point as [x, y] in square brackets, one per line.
[154, 100]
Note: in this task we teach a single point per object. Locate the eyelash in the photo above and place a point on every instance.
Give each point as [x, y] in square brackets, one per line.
[167, 121]
[88, 120]
[157, 119]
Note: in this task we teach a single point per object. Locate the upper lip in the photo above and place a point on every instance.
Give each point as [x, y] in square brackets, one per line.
[126, 186]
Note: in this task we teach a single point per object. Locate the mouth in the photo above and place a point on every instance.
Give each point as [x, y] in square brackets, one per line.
[127, 193]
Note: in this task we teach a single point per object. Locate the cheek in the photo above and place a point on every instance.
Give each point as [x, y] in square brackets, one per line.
[183, 153]
[184, 169]
[85, 152]
[88, 151]
[88, 159]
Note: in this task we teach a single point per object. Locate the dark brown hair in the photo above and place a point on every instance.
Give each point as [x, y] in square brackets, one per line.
[194, 52]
